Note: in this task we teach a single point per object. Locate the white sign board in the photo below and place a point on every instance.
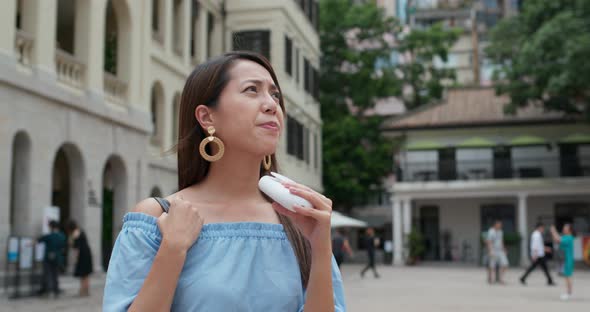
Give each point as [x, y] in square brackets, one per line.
[578, 247]
[12, 249]
[49, 213]
[388, 246]
[26, 253]
[39, 252]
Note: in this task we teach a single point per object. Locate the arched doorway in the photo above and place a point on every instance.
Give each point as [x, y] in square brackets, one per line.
[67, 190]
[114, 201]
[157, 113]
[60, 191]
[67, 187]
[20, 181]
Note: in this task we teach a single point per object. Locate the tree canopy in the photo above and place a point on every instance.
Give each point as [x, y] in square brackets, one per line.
[541, 56]
[359, 65]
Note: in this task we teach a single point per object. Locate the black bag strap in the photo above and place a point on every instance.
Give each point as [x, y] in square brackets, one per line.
[164, 203]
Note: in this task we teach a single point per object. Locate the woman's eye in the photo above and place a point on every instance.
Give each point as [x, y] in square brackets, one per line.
[277, 95]
[251, 88]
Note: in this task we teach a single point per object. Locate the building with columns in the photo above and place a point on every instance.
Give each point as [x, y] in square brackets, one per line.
[465, 164]
[89, 95]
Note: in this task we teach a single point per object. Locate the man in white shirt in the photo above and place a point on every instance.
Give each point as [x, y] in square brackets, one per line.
[496, 252]
[538, 255]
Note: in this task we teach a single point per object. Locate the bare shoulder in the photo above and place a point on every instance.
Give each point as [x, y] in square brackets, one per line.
[148, 206]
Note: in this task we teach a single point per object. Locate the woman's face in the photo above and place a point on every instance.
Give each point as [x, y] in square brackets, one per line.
[567, 229]
[248, 117]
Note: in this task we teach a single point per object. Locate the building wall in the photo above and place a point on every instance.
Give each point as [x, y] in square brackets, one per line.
[461, 57]
[71, 103]
[461, 217]
[93, 142]
[460, 14]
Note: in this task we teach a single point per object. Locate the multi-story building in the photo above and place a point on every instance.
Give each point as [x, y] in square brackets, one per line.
[89, 95]
[474, 17]
[464, 164]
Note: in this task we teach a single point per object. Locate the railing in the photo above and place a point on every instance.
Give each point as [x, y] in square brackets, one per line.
[115, 89]
[23, 47]
[521, 168]
[69, 69]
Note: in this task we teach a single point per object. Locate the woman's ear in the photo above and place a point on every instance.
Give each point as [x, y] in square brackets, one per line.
[204, 116]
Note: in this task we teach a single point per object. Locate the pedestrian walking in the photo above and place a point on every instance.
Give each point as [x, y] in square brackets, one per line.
[83, 268]
[496, 253]
[566, 244]
[55, 243]
[538, 255]
[370, 243]
[340, 246]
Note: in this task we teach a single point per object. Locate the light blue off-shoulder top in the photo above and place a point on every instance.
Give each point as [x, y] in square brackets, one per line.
[244, 266]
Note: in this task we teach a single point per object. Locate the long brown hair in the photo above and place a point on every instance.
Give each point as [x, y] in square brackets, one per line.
[203, 86]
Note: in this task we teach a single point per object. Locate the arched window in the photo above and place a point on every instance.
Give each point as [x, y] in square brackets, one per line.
[117, 49]
[178, 29]
[175, 116]
[66, 26]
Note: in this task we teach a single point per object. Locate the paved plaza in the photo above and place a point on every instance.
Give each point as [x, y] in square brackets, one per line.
[419, 289]
[427, 289]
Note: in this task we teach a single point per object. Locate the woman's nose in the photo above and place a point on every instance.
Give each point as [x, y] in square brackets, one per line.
[270, 105]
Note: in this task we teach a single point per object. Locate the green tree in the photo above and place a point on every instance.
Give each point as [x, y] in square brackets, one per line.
[356, 158]
[355, 70]
[541, 56]
[425, 80]
[348, 67]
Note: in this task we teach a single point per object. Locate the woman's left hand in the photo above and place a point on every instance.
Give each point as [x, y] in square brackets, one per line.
[313, 222]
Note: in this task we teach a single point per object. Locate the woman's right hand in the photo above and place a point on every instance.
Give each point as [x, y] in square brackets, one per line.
[181, 226]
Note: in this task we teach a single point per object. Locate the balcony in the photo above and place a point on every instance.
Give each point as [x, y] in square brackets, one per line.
[69, 70]
[23, 47]
[115, 89]
[521, 168]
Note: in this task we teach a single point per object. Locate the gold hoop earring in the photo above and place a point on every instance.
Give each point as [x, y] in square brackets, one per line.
[207, 140]
[267, 162]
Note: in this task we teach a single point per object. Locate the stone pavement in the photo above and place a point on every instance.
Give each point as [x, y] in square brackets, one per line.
[417, 289]
[441, 289]
[69, 301]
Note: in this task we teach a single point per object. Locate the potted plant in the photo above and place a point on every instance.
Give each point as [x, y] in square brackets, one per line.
[415, 246]
[512, 244]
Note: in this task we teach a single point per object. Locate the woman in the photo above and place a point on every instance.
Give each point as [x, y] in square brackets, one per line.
[566, 244]
[222, 245]
[83, 257]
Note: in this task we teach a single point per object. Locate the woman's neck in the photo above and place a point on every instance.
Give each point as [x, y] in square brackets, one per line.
[230, 192]
[233, 177]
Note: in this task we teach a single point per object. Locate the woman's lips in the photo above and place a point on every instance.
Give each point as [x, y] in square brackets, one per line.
[270, 126]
